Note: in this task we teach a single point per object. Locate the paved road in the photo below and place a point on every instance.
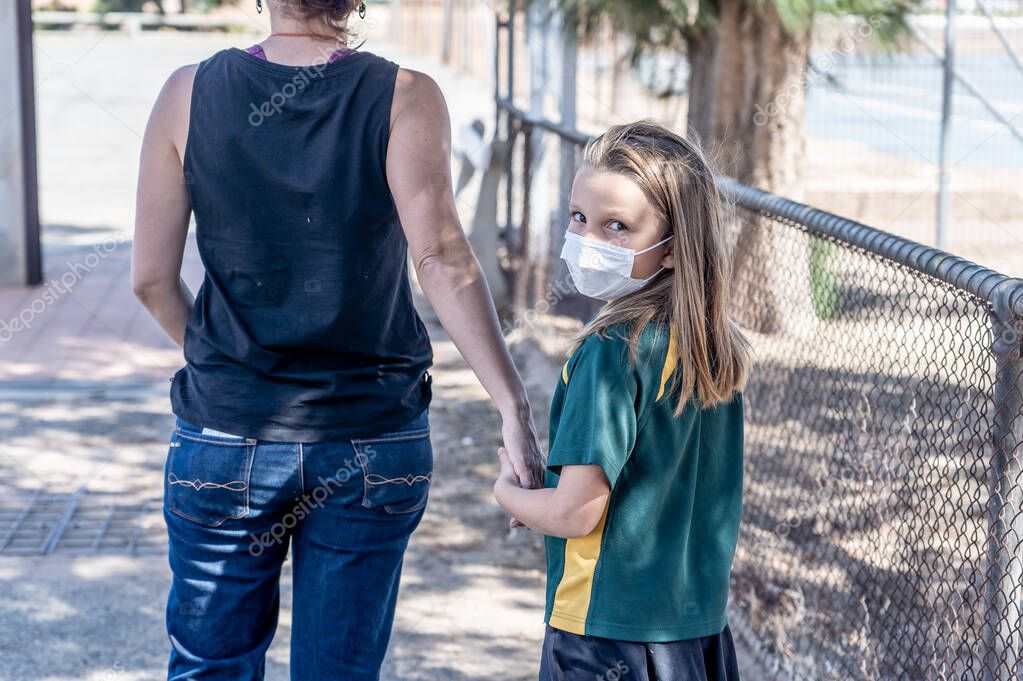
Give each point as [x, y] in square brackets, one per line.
[893, 105]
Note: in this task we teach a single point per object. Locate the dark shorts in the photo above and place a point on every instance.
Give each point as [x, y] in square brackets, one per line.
[571, 657]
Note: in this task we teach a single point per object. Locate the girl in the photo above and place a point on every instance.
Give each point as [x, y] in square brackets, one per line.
[643, 492]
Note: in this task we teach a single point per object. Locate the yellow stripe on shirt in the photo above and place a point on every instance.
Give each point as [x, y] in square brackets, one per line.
[670, 362]
[572, 598]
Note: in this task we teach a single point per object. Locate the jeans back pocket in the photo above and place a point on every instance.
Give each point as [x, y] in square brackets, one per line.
[207, 476]
[397, 469]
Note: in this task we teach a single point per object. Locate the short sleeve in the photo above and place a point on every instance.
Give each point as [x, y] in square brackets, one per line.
[597, 417]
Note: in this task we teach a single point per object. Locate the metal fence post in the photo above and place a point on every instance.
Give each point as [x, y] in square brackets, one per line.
[947, 92]
[509, 128]
[523, 265]
[20, 254]
[1005, 512]
[569, 44]
[446, 28]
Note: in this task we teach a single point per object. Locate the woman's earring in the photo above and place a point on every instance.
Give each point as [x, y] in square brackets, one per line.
[362, 10]
[259, 6]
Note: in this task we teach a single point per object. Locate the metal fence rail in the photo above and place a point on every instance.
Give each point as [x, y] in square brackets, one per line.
[883, 522]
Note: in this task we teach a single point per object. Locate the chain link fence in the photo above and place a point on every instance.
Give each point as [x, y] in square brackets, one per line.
[882, 525]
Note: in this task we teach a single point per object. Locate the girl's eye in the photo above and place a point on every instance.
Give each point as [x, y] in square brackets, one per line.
[574, 213]
[619, 228]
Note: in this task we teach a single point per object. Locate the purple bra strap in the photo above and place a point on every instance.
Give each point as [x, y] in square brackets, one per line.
[257, 50]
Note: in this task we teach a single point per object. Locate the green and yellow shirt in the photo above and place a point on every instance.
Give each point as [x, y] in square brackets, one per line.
[656, 567]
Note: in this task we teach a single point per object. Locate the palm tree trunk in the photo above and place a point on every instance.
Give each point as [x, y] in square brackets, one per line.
[746, 106]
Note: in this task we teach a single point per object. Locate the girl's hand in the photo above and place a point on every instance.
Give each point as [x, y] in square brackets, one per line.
[507, 476]
[507, 473]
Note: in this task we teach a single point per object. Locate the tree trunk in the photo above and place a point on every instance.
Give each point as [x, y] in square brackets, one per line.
[746, 106]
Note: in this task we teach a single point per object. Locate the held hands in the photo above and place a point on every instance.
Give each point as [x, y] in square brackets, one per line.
[507, 476]
[522, 461]
[523, 451]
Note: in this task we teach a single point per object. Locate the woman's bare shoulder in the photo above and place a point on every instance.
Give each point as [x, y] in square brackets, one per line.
[177, 89]
[170, 114]
[417, 92]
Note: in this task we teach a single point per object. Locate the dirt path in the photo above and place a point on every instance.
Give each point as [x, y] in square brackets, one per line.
[471, 605]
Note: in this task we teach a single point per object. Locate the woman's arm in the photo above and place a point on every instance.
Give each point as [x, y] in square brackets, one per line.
[162, 209]
[419, 176]
[572, 509]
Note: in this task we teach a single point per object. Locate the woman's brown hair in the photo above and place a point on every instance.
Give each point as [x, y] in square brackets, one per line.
[330, 13]
[691, 300]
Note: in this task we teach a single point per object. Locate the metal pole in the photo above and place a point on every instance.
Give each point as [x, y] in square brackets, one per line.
[1005, 523]
[510, 129]
[567, 106]
[445, 48]
[33, 264]
[948, 62]
[1001, 36]
[541, 38]
[498, 25]
[566, 172]
[521, 295]
[968, 85]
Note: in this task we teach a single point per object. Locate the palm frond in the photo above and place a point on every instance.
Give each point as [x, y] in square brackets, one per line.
[665, 23]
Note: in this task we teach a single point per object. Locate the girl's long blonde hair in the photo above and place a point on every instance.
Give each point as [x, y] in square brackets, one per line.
[691, 300]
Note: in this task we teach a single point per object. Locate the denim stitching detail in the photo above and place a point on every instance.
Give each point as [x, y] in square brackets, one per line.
[250, 454]
[197, 484]
[408, 479]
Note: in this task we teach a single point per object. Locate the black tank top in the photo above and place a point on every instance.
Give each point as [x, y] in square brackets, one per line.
[303, 329]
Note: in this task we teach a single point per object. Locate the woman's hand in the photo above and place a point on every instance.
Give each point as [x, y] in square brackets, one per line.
[523, 451]
[523, 463]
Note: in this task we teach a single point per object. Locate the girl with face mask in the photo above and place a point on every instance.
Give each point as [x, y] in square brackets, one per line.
[643, 493]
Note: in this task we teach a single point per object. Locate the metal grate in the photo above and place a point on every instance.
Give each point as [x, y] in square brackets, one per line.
[80, 524]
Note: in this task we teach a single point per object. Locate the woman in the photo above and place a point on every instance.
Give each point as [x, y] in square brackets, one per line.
[312, 170]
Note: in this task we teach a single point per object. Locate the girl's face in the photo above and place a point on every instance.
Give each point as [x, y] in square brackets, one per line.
[610, 207]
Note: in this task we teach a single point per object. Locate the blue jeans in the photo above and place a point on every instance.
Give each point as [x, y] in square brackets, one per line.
[234, 504]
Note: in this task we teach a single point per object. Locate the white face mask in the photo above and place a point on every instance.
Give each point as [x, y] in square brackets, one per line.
[603, 270]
